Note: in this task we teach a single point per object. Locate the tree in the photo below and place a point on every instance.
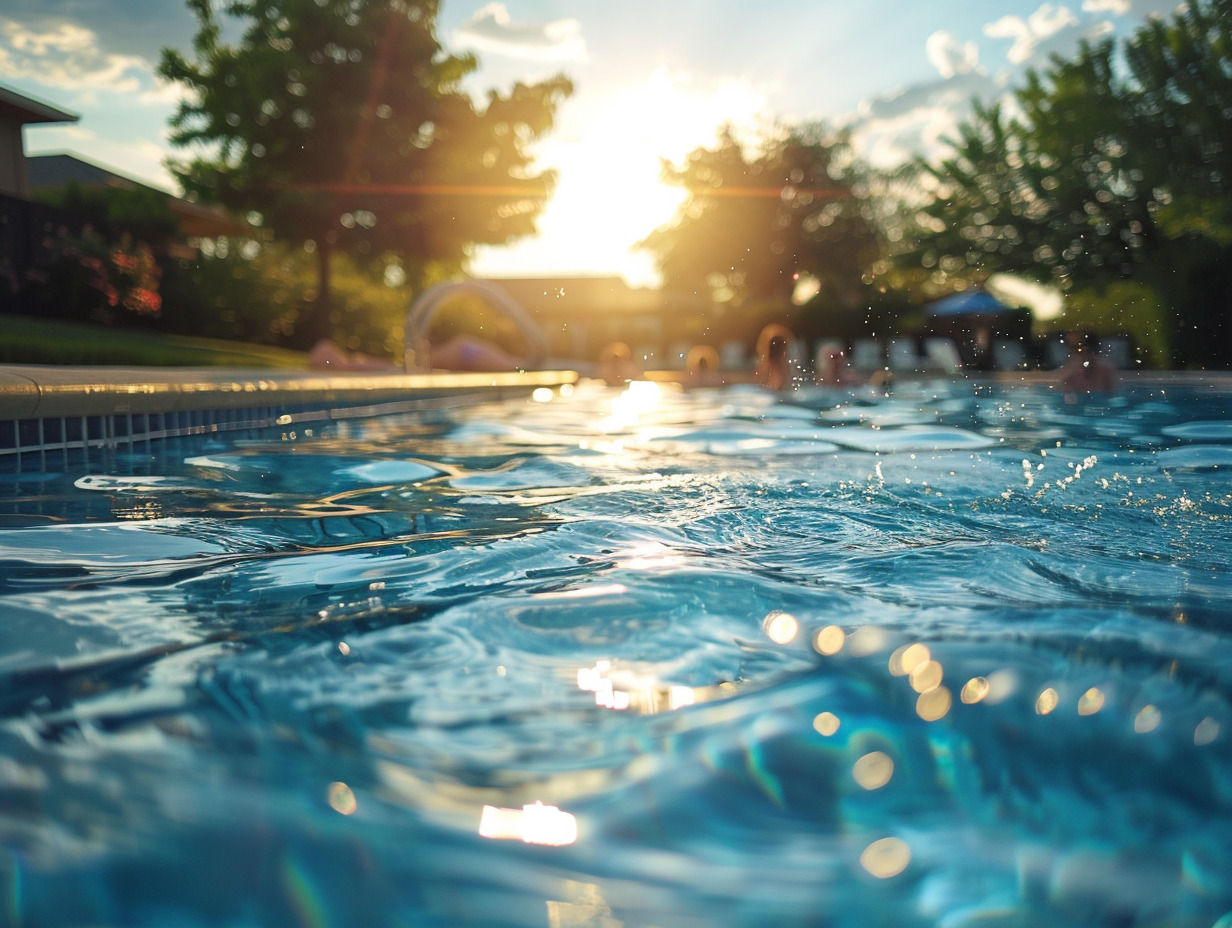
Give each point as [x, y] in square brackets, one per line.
[756, 222]
[342, 124]
[1117, 166]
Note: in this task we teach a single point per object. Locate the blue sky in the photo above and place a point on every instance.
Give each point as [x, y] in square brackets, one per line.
[654, 78]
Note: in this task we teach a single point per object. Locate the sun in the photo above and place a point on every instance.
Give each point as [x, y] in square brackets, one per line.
[609, 194]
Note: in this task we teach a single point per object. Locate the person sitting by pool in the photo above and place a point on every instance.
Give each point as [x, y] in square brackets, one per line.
[467, 353]
[616, 365]
[458, 353]
[702, 367]
[326, 355]
[773, 368]
[833, 369]
[1087, 371]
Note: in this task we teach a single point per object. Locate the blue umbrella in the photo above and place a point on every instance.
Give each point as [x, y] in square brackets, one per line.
[966, 303]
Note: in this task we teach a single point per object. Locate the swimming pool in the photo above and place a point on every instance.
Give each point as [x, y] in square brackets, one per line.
[957, 656]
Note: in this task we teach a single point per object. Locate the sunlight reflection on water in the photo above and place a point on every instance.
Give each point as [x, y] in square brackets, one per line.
[777, 656]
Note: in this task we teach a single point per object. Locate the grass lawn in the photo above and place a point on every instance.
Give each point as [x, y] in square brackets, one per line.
[24, 340]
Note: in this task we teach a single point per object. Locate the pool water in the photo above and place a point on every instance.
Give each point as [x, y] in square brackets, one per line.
[958, 656]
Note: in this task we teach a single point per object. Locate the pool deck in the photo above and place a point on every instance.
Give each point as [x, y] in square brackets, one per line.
[49, 407]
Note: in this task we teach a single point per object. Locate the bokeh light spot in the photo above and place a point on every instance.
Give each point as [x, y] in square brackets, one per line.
[934, 705]
[1047, 701]
[886, 858]
[829, 640]
[866, 640]
[826, 723]
[974, 690]
[905, 659]
[1206, 732]
[873, 770]
[926, 677]
[341, 798]
[1147, 719]
[1090, 702]
[781, 627]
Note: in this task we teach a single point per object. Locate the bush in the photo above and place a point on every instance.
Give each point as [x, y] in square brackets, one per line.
[262, 294]
[1125, 306]
[86, 278]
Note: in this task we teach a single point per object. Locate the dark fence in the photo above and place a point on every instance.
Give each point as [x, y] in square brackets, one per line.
[25, 231]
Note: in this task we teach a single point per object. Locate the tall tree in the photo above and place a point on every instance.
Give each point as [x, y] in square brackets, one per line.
[755, 222]
[1117, 166]
[343, 123]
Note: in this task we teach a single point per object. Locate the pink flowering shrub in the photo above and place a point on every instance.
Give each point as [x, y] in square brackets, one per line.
[86, 277]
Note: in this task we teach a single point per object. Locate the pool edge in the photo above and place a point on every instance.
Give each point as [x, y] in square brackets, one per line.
[46, 408]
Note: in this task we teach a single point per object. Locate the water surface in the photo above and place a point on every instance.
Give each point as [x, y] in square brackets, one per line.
[957, 656]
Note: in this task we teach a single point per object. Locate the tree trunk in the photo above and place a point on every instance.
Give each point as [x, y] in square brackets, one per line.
[316, 323]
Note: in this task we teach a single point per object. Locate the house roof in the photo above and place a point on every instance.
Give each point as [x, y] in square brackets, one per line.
[29, 110]
[52, 171]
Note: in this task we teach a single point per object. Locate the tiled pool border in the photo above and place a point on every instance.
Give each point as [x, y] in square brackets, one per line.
[50, 408]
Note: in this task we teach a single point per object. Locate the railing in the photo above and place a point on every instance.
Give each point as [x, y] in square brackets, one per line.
[418, 352]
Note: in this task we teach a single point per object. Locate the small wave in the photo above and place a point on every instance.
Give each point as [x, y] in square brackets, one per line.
[382, 472]
[1200, 431]
[1195, 457]
[525, 474]
[908, 438]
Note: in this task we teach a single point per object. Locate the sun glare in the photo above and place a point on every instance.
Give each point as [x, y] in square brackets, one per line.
[609, 194]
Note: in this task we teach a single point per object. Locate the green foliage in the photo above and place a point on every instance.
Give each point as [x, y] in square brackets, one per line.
[755, 222]
[140, 212]
[263, 294]
[344, 123]
[1118, 167]
[1128, 306]
[225, 292]
[24, 340]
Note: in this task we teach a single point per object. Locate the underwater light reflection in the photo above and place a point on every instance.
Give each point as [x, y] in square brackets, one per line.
[623, 690]
[534, 823]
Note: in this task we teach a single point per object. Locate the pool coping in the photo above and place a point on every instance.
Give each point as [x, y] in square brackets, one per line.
[45, 407]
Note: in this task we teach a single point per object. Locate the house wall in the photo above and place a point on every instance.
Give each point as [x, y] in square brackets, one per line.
[13, 179]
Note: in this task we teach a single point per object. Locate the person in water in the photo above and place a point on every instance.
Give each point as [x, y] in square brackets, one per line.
[702, 367]
[1087, 371]
[458, 353]
[773, 368]
[833, 368]
[616, 365]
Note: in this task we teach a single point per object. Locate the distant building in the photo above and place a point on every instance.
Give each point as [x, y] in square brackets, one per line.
[580, 315]
[16, 112]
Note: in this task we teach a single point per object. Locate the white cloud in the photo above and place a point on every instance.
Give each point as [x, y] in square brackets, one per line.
[68, 57]
[491, 29]
[1027, 34]
[1116, 7]
[949, 56]
[889, 142]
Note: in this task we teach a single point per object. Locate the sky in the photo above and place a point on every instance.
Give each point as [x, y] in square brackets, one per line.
[653, 79]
